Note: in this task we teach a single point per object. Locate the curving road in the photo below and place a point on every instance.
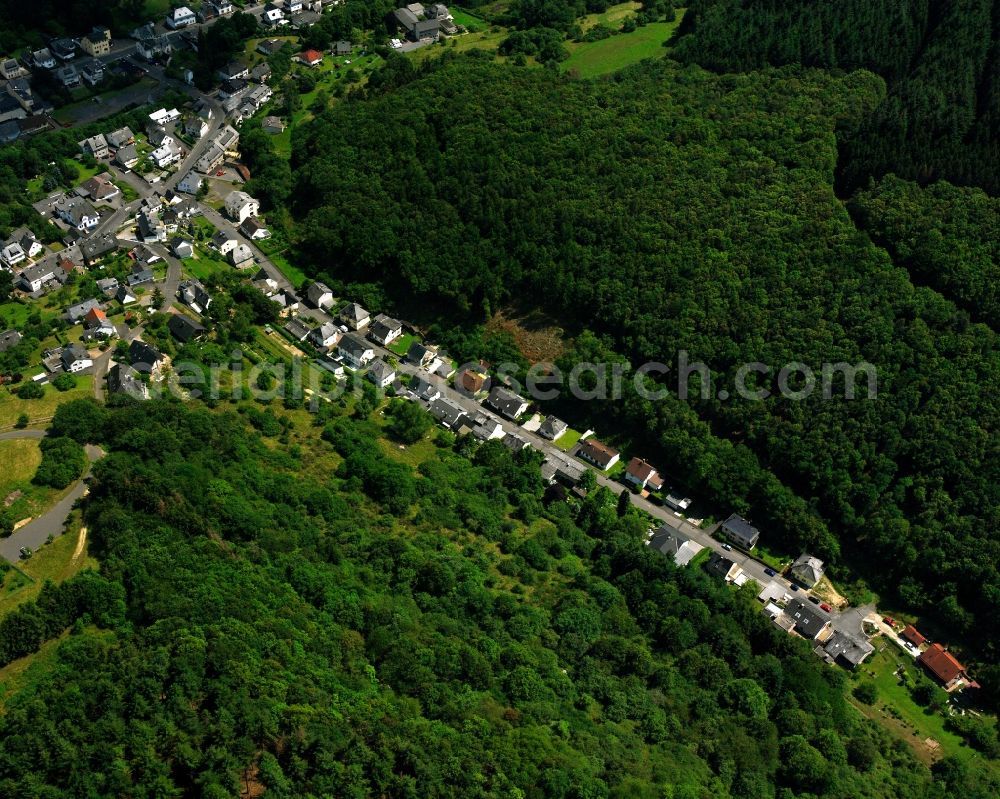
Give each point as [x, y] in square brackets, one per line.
[52, 522]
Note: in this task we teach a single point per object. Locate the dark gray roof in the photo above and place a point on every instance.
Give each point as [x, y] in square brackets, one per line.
[8, 339]
[354, 345]
[506, 402]
[123, 379]
[552, 427]
[741, 531]
[719, 565]
[139, 352]
[808, 619]
[185, 328]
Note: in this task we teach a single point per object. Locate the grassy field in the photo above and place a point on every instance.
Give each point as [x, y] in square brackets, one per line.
[275, 254]
[11, 407]
[469, 21]
[592, 59]
[484, 40]
[613, 17]
[20, 458]
[53, 562]
[896, 709]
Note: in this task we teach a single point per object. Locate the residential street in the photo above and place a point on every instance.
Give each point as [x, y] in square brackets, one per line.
[36, 532]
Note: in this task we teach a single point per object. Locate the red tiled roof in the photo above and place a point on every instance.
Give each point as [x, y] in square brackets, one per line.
[309, 56]
[640, 469]
[96, 315]
[912, 634]
[942, 663]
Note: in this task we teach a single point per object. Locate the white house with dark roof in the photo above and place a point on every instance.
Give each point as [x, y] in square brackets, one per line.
[381, 374]
[384, 330]
[354, 316]
[319, 295]
[808, 570]
[181, 18]
[506, 402]
[75, 358]
[77, 212]
[740, 532]
[355, 351]
[97, 146]
[240, 205]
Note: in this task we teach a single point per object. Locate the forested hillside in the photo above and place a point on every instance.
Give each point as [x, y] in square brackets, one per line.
[940, 58]
[670, 210]
[266, 621]
[947, 237]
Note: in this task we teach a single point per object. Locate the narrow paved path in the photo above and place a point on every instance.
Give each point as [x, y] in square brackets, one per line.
[52, 522]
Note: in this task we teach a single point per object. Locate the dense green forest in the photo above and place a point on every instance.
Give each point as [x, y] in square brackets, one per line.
[940, 59]
[947, 237]
[317, 619]
[672, 209]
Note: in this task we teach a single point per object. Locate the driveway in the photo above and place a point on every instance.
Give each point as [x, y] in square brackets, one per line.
[53, 522]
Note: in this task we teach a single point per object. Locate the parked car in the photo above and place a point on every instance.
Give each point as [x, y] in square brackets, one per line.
[826, 607]
[770, 572]
[26, 552]
[727, 547]
[793, 586]
[814, 600]
[890, 621]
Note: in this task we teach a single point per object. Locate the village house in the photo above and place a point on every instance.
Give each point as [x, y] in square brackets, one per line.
[75, 358]
[234, 70]
[224, 241]
[241, 256]
[945, 667]
[319, 295]
[261, 73]
[97, 146]
[807, 619]
[33, 278]
[97, 42]
[191, 183]
[381, 374]
[740, 532]
[600, 455]
[195, 127]
[254, 229]
[449, 413]
[184, 328]
[724, 568]
[92, 72]
[94, 248]
[240, 205]
[384, 330]
[421, 354]
[98, 188]
[192, 293]
[12, 69]
[43, 59]
[76, 313]
[273, 125]
[342, 47]
[310, 58]
[121, 137]
[297, 328]
[676, 545]
[77, 212]
[69, 76]
[181, 18]
[151, 227]
[677, 502]
[472, 379]
[807, 570]
[325, 335]
[12, 254]
[124, 379]
[552, 428]
[97, 324]
[642, 475]
[29, 243]
[355, 351]
[211, 158]
[125, 296]
[151, 45]
[913, 635]
[146, 358]
[354, 316]
[167, 154]
[514, 442]
[126, 157]
[506, 402]
[182, 248]
[425, 389]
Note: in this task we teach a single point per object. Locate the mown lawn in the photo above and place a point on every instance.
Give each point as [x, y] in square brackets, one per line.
[613, 17]
[591, 59]
[402, 344]
[568, 440]
[20, 458]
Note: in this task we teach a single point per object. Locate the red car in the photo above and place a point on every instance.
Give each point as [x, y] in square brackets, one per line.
[825, 607]
[220, 173]
[890, 621]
